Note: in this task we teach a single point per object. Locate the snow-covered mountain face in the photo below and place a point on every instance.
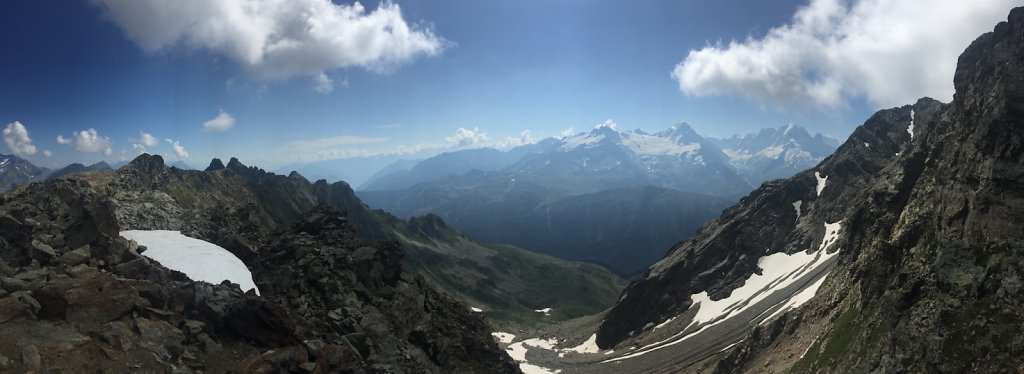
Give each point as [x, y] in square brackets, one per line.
[775, 153]
[16, 171]
[676, 158]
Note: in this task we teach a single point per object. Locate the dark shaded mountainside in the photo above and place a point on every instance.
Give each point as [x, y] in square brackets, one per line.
[76, 296]
[917, 223]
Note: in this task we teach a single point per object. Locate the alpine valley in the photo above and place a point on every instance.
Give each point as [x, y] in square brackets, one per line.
[617, 198]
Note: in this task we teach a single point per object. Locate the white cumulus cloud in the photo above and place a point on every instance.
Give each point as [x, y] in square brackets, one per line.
[524, 138]
[277, 39]
[17, 139]
[179, 150]
[47, 153]
[90, 141]
[221, 123]
[889, 52]
[567, 132]
[464, 137]
[141, 144]
[62, 140]
[147, 139]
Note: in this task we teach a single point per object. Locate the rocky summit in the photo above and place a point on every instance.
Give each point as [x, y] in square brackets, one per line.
[78, 297]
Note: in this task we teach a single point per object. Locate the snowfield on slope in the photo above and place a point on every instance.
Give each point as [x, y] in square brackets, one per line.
[199, 260]
[778, 271]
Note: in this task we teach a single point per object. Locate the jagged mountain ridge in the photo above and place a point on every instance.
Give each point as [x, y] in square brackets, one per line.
[928, 201]
[775, 153]
[226, 203]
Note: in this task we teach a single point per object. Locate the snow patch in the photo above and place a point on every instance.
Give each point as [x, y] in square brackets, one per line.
[546, 311]
[650, 145]
[831, 234]
[518, 353]
[580, 140]
[821, 182]
[866, 145]
[504, 337]
[199, 260]
[910, 129]
[797, 300]
[475, 309]
[660, 325]
[589, 346]
[796, 205]
[778, 271]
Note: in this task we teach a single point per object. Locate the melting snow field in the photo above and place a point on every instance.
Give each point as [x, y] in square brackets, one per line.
[504, 337]
[589, 346]
[778, 271]
[796, 205]
[199, 260]
[821, 182]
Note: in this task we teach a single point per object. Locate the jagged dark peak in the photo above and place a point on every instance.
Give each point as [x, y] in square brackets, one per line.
[429, 225]
[235, 165]
[296, 176]
[249, 171]
[148, 164]
[215, 165]
[984, 66]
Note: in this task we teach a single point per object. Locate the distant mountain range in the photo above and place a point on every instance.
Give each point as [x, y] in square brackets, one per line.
[560, 196]
[16, 171]
[775, 153]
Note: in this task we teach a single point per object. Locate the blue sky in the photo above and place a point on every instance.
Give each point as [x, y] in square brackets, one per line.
[101, 73]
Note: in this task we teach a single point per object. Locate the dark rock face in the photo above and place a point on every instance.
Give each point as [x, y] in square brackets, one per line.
[215, 165]
[928, 277]
[75, 296]
[363, 304]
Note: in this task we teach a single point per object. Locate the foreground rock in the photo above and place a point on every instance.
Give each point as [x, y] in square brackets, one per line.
[74, 296]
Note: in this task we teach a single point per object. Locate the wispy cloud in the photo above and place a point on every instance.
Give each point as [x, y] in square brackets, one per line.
[889, 52]
[337, 141]
[322, 83]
